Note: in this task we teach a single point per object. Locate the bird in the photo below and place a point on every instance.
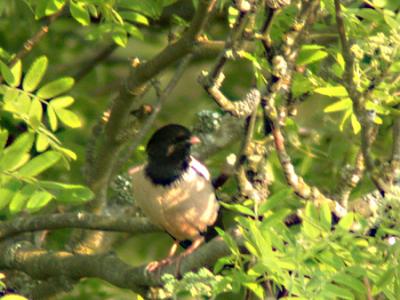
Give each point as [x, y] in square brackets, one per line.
[174, 190]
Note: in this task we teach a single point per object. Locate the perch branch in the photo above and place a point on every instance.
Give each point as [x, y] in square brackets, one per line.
[42, 264]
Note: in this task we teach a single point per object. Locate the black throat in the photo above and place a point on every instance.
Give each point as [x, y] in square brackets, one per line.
[165, 173]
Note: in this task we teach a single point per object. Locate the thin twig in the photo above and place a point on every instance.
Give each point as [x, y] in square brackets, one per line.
[89, 64]
[147, 125]
[34, 40]
[367, 128]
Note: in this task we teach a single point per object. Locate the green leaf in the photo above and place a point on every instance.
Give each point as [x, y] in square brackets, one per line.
[275, 200]
[68, 118]
[238, 208]
[40, 9]
[55, 87]
[346, 222]
[310, 225]
[35, 74]
[42, 142]
[351, 282]
[53, 6]
[6, 73]
[343, 104]
[52, 117]
[62, 102]
[308, 57]
[16, 70]
[19, 105]
[337, 292]
[38, 200]
[332, 91]
[256, 288]
[355, 124]
[346, 115]
[14, 154]
[3, 139]
[10, 94]
[68, 193]
[120, 37]
[35, 113]
[135, 17]
[19, 200]
[8, 190]
[325, 216]
[79, 12]
[340, 60]
[134, 31]
[40, 163]
[151, 9]
[67, 152]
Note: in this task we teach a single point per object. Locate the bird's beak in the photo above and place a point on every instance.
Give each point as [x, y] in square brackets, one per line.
[194, 140]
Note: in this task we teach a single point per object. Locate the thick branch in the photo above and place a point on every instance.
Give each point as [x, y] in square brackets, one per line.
[42, 264]
[114, 222]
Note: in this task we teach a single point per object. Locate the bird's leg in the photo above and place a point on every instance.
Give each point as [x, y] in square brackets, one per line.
[157, 264]
[195, 244]
[151, 267]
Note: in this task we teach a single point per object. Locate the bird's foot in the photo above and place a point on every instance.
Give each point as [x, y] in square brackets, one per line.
[155, 265]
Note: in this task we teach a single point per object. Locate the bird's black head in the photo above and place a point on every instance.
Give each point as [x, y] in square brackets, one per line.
[168, 153]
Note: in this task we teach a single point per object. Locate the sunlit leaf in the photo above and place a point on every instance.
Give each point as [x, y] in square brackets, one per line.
[38, 200]
[16, 70]
[53, 6]
[332, 91]
[19, 200]
[40, 163]
[343, 104]
[307, 57]
[52, 117]
[135, 17]
[79, 12]
[42, 142]
[55, 87]
[35, 74]
[35, 113]
[68, 117]
[14, 154]
[3, 139]
[346, 222]
[120, 37]
[6, 73]
[355, 124]
[68, 193]
[62, 102]
[8, 190]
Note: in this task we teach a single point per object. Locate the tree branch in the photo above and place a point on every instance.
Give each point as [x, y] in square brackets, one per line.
[114, 222]
[110, 143]
[358, 102]
[34, 40]
[42, 264]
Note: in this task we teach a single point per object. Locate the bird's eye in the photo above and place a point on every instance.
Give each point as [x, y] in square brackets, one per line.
[180, 139]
